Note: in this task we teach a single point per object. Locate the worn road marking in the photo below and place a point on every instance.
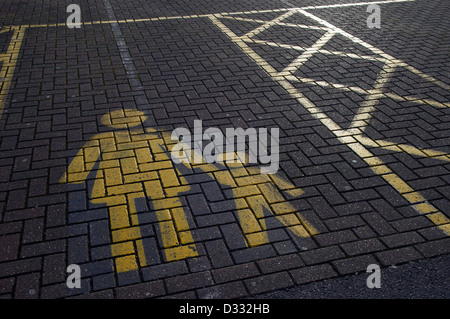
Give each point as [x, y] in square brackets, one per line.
[8, 62]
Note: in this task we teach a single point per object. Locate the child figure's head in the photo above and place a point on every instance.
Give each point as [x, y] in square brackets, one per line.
[123, 118]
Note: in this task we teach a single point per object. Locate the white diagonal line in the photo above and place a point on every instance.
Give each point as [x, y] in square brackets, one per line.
[297, 63]
[268, 24]
[368, 105]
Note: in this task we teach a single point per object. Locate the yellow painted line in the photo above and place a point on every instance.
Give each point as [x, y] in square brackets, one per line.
[248, 221]
[9, 60]
[180, 252]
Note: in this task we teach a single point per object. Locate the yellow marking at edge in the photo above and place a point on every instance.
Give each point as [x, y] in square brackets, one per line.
[120, 249]
[9, 60]
[118, 216]
[248, 221]
[126, 263]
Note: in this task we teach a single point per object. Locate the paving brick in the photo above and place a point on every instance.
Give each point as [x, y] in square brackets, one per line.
[322, 208]
[344, 222]
[280, 263]
[354, 264]
[212, 191]
[56, 215]
[164, 270]
[269, 282]
[33, 230]
[412, 223]
[6, 285]
[10, 247]
[77, 248]
[218, 253]
[233, 236]
[402, 239]
[434, 248]
[312, 273]
[362, 247]
[352, 208]
[145, 290]
[432, 233]
[24, 214]
[336, 237]
[197, 264]
[321, 255]
[232, 290]
[187, 282]
[17, 199]
[99, 232]
[285, 247]
[63, 232]
[27, 286]
[385, 210]
[216, 219]
[398, 256]
[198, 204]
[254, 253]
[54, 269]
[236, 272]
[20, 266]
[103, 282]
[128, 278]
[76, 201]
[43, 248]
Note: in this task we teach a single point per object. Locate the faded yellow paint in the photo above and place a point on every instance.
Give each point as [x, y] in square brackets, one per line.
[118, 216]
[126, 263]
[9, 61]
[125, 178]
[120, 249]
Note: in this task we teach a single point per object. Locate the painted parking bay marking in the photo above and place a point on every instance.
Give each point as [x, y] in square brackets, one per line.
[352, 137]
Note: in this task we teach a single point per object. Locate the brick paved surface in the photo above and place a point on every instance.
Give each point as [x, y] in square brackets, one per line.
[86, 116]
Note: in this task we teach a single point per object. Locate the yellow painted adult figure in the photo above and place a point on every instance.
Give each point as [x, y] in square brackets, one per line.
[133, 163]
[130, 164]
